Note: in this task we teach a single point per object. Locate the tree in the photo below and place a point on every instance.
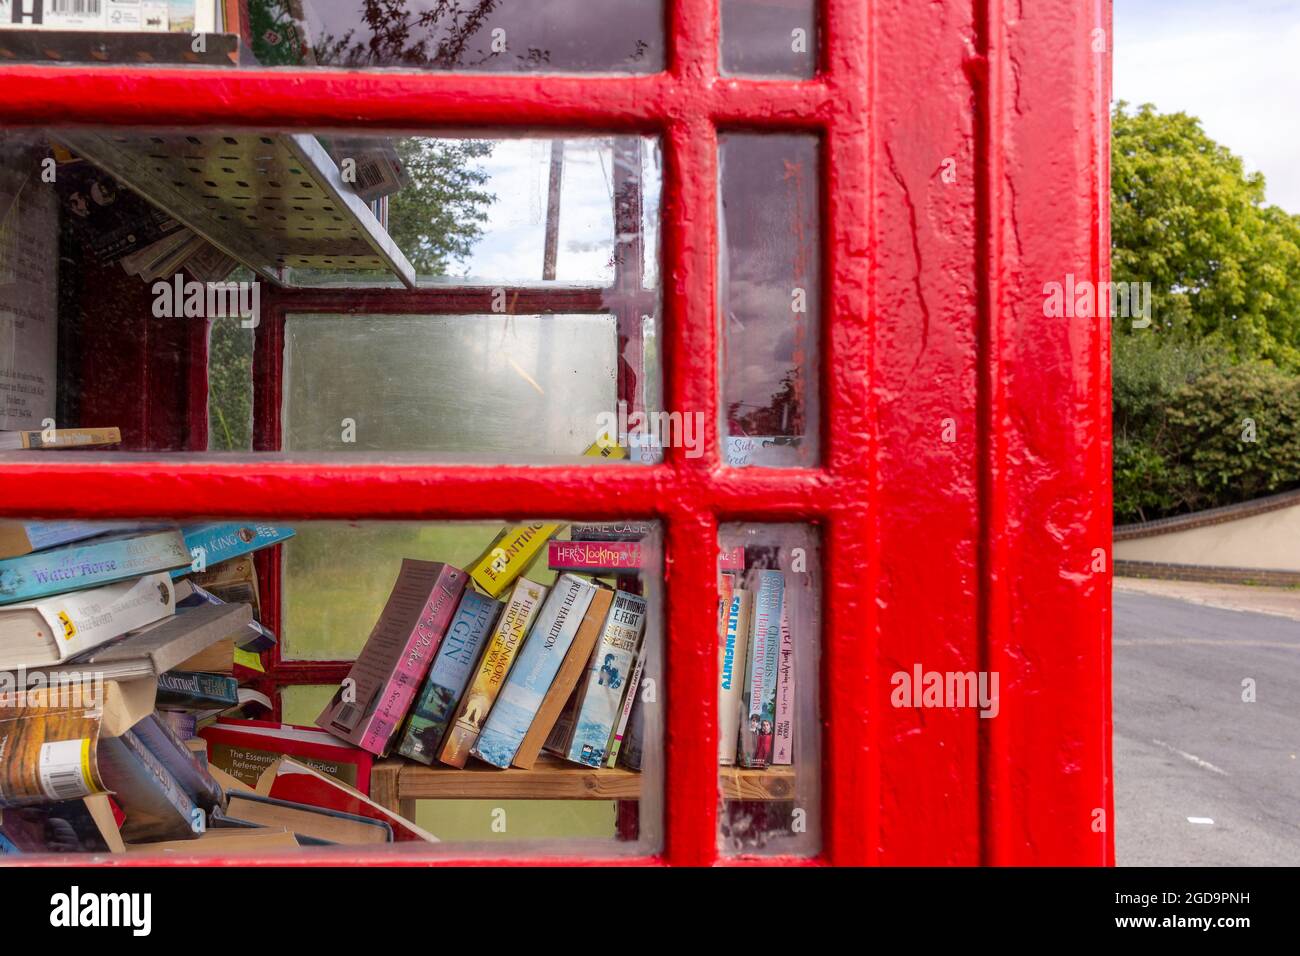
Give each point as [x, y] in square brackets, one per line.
[1224, 268]
[439, 216]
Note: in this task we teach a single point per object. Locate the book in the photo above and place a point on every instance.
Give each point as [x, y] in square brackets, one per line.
[452, 666]
[783, 726]
[754, 748]
[733, 659]
[611, 531]
[36, 440]
[21, 537]
[156, 805]
[210, 544]
[257, 639]
[196, 689]
[625, 716]
[370, 705]
[509, 555]
[187, 764]
[29, 290]
[291, 780]
[598, 703]
[50, 631]
[222, 841]
[731, 559]
[106, 217]
[49, 747]
[313, 825]
[245, 748]
[596, 557]
[535, 668]
[557, 704]
[522, 607]
[86, 564]
[167, 645]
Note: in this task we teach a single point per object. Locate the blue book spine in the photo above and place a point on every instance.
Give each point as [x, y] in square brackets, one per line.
[451, 670]
[52, 534]
[535, 668]
[606, 680]
[210, 544]
[99, 561]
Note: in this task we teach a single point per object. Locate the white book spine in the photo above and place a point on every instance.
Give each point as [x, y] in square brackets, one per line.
[783, 731]
[80, 621]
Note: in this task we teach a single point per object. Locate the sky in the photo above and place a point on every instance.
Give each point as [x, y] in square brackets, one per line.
[1233, 63]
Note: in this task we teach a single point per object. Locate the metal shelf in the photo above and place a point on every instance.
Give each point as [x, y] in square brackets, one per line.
[273, 202]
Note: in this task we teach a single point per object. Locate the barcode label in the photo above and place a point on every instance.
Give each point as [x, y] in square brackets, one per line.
[77, 7]
[62, 771]
[347, 716]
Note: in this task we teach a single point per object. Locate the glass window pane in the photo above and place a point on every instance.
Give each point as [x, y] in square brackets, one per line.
[770, 292]
[496, 36]
[769, 37]
[476, 646]
[769, 640]
[527, 267]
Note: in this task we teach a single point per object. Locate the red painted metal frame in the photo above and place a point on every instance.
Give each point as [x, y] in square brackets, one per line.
[955, 554]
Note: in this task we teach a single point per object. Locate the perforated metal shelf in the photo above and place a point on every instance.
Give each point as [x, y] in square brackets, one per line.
[271, 201]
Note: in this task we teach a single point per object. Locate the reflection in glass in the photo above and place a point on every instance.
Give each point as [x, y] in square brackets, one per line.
[770, 299]
[769, 38]
[498, 36]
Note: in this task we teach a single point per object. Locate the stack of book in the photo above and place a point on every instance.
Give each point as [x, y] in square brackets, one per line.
[488, 665]
[117, 650]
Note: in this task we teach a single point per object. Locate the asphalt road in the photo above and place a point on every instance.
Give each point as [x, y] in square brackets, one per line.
[1188, 746]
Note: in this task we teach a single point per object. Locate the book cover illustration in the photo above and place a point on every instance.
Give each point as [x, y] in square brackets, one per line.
[625, 716]
[448, 676]
[371, 703]
[538, 662]
[596, 557]
[608, 680]
[522, 607]
[97, 561]
[759, 693]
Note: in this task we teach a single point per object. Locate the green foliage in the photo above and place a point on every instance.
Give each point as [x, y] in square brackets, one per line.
[1185, 216]
[440, 215]
[230, 386]
[1224, 344]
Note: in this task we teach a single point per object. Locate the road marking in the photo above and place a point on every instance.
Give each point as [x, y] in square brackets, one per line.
[1191, 758]
[1207, 821]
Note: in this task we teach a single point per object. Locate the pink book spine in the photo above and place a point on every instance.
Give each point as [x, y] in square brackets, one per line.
[783, 733]
[731, 559]
[417, 657]
[594, 555]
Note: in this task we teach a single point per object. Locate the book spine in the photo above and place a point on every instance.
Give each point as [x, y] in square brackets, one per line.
[538, 662]
[755, 748]
[732, 671]
[610, 531]
[198, 689]
[607, 681]
[46, 573]
[630, 700]
[448, 676]
[211, 544]
[783, 729]
[509, 555]
[145, 820]
[70, 438]
[421, 646]
[595, 557]
[522, 607]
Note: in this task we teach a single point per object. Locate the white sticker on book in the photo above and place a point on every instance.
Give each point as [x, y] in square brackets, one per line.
[64, 769]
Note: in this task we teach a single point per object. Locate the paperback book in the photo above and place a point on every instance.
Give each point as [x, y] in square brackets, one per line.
[755, 745]
[732, 671]
[90, 563]
[539, 661]
[210, 544]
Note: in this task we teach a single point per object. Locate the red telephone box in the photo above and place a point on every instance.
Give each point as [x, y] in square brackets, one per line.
[963, 489]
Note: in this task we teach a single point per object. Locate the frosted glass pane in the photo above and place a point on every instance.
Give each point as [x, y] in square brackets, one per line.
[515, 387]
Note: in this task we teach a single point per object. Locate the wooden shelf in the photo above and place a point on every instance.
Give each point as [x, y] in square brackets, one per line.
[114, 46]
[394, 782]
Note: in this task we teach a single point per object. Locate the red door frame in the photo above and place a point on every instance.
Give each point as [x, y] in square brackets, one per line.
[975, 552]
